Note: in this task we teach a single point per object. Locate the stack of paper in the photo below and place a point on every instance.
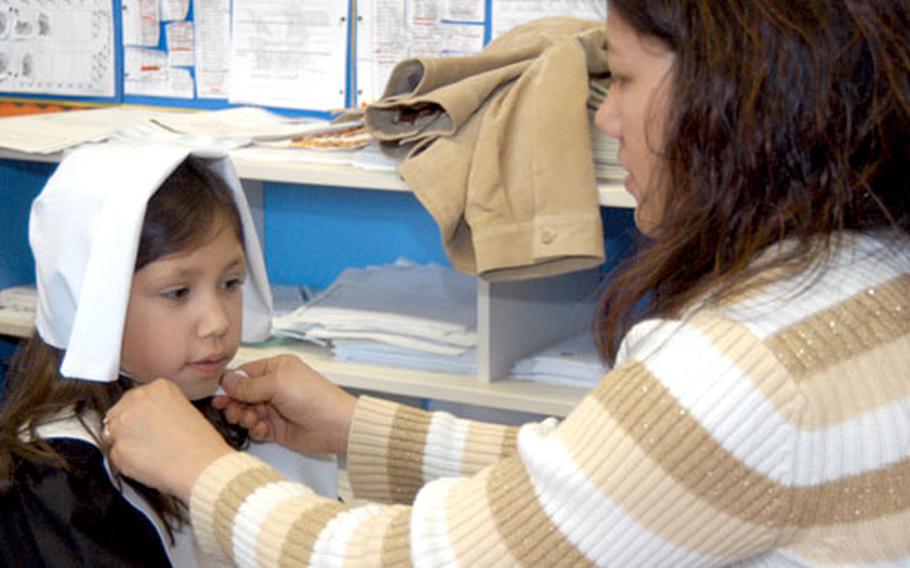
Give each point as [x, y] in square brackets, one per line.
[250, 123]
[54, 132]
[17, 309]
[367, 158]
[405, 315]
[231, 128]
[572, 361]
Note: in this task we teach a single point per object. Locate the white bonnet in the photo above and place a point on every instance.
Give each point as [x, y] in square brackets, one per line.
[84, 233]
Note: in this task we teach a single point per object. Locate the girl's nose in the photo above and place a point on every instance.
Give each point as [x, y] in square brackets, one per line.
[214, 320]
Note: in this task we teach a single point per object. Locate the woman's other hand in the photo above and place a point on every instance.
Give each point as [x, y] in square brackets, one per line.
[158, 438]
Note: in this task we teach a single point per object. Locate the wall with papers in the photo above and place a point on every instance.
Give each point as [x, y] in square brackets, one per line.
[308, 57]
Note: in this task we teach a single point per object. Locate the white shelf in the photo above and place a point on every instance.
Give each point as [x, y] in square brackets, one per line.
[332, 175]
[508, 394]
[302, 173]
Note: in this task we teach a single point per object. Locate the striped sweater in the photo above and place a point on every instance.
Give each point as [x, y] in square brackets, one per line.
[773, 430]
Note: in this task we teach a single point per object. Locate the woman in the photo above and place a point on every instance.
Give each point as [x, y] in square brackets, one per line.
[758, 411]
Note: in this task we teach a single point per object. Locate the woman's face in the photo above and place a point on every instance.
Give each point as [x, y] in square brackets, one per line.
[634, 113]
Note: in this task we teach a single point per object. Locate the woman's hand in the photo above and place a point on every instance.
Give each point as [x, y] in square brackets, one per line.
[158, 438]
[283, 399]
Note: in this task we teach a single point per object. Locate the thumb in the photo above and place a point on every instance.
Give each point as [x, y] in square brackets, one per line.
[239, 386]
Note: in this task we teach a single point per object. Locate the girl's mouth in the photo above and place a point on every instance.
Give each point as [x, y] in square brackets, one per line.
[210, 366]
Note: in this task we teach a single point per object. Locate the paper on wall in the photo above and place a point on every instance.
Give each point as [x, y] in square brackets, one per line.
[174, 9]
[179, 36]
[287, 53]
[146, 72]
[213, 47]
[389, 31]
[506, 14]
[464, 10]
[141, 22]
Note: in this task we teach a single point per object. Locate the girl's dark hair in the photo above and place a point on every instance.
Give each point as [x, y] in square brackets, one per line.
[179, 216]
[787, 120]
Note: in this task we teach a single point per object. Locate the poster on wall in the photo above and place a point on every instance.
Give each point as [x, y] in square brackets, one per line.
[390, 31]
[57, 47]
[158, 48]
[287, 53]
[212, 51]
[506, 14]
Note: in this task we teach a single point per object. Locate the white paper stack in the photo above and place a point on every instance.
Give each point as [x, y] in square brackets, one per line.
[572, 361]
[251, 123]
[404, 315]
[53, 132]
[17, 309]
[367, 158]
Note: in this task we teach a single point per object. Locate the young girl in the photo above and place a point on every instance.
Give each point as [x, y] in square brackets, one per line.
[118, 306]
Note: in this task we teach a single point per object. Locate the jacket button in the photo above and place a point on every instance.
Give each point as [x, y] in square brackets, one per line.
[547, 236]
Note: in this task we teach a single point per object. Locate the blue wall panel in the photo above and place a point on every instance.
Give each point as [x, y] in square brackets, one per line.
[313, 233]
[20, 183]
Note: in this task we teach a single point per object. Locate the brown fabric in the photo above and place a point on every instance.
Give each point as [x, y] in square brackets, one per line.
[497, 148]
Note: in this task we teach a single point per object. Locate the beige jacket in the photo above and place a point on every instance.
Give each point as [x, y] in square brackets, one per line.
[497, 148]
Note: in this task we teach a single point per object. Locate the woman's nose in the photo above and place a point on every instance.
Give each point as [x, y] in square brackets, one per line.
[607, 116]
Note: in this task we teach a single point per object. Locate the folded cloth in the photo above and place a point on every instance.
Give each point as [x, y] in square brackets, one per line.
[420, 307]
[571, 361]
[372, 353]
[496, 146]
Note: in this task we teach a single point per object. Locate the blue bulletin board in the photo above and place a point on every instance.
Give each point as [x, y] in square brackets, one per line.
[360, 42]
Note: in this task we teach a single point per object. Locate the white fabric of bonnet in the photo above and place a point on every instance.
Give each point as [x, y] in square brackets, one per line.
[84, 233]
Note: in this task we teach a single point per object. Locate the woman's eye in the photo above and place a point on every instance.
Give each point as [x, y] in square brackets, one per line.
[233, 283]
[176, 293]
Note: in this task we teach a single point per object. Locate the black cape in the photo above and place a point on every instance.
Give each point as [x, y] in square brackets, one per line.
[56, 518]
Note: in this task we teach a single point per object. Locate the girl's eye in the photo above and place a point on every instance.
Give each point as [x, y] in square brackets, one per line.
[233, 283]
[176, 293]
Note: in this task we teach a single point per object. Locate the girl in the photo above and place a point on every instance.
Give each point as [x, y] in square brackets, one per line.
[119, 306]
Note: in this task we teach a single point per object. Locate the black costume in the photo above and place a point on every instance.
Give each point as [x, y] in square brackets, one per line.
[77, 516]
[53, 517]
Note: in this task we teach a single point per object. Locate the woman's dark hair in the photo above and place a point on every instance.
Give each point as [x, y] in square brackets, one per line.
[787, 120]
[179, 216]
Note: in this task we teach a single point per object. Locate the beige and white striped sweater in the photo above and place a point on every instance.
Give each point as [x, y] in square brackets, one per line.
[774, 431]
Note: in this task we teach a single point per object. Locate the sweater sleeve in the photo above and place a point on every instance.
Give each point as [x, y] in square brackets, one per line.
[674, 458]
[393, 449]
